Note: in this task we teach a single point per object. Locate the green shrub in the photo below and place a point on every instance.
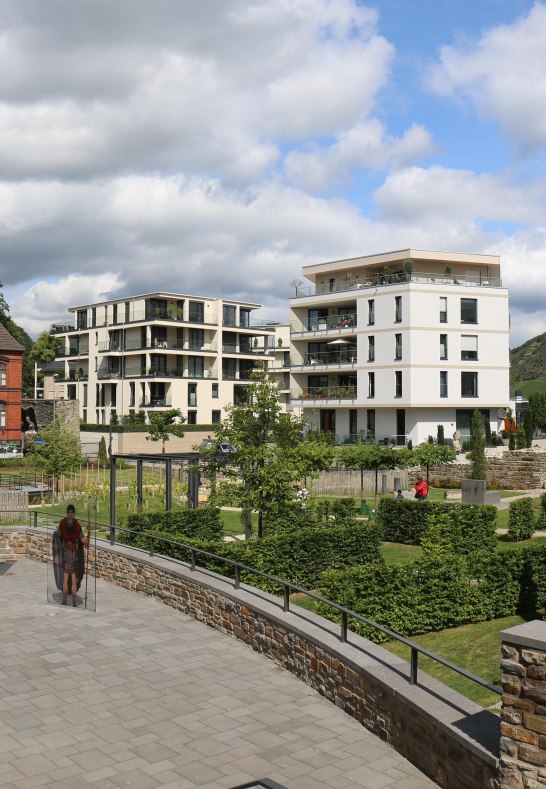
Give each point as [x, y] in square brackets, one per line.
[521, 438]
[541, 517]
[315, 513]
[201, 524]
[521, 520]
[472, 527]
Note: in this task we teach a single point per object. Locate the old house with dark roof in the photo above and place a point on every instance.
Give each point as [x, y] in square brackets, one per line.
[11, 388]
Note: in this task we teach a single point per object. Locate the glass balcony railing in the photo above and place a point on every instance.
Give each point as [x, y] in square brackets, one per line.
[248, 351]
[73, 351]
[346, 356]
[157, 402]
[326, 393]
[344, 321]
[234, 375]
[396, 278]
[59, 328]
[156, 344]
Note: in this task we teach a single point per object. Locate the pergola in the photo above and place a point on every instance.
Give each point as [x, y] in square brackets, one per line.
[190, 459]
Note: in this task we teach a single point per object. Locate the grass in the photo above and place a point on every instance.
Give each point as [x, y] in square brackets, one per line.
[473, 647]
[527, 387]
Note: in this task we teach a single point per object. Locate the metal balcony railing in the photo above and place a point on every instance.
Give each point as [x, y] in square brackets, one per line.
[380, 280]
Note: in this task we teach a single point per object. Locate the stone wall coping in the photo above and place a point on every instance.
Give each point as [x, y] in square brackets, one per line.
[529, 634]
[465, 721]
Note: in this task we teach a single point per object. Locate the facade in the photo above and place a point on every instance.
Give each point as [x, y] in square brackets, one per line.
[160, 351]
[392, 345]
[11, 388]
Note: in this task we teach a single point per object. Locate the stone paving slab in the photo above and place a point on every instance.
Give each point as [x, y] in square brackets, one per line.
[139, 695]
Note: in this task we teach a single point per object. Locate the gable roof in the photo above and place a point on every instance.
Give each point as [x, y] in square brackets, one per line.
[9, 343]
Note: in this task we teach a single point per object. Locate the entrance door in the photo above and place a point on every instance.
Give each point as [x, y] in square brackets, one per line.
[327, 421]
[401, 427]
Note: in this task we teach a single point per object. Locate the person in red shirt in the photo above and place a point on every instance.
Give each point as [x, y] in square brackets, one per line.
[421, 489]
[71, 535]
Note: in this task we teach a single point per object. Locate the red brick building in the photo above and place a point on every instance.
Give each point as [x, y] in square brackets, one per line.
[11, 388]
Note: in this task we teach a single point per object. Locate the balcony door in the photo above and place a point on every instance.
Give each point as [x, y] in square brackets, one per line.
[327, 420]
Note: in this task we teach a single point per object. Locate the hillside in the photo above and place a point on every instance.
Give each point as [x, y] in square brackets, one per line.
[528, 364]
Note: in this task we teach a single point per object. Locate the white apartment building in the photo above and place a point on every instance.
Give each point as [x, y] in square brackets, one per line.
[392, 345]
[160, 351]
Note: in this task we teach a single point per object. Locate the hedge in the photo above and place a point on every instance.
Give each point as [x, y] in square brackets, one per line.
[88, 427]
[199, 524]
[431, 595]
[300, 558]
[472, 527]
[313, 513]
[521, 520]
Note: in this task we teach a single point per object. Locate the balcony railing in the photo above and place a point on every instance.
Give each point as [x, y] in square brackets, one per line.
[370, 438]
[233, 375]
[326, 393]
[248, 351]
[346, 356]
[156, 344]
[138, 372]
[379, 280]
[345, 322]
[59, 328]
[157, 402]
[73, 351]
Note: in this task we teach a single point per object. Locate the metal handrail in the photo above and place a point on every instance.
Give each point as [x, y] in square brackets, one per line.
[288, 588]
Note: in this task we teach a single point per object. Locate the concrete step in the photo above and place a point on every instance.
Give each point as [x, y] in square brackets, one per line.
[7, 557]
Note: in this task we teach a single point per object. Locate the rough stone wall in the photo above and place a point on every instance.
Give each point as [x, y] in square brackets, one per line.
[412, 730]
[518, 470]
[523, 718]
[65, 410]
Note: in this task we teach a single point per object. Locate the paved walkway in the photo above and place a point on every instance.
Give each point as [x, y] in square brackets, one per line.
[139, 695]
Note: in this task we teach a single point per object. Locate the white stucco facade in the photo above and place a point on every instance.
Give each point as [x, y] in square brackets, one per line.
[395, 344]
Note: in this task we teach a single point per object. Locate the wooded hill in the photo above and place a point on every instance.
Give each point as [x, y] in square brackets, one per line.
[528, 365]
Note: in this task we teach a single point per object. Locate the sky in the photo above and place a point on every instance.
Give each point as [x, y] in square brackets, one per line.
[214, 147]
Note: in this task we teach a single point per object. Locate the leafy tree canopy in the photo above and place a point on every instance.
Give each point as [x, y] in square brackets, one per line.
[165, 423]
[61, 450]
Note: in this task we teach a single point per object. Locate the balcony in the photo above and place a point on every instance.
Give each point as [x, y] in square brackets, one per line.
[157, 402]
[73, 351]
[233, 375]
[156, 344]
[380, 280]
[326, 393]
[60, 328]
[345, 356]
[138, 372]
[246, 351]
[105, 374]
[345, 322]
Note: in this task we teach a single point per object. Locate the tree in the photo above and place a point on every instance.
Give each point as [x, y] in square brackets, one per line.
[61, 450]
[103, 454]
[164, 423]
[432, 454]
[370, 457]
[440, 438]
[477, 447]
[313, 456]
[268, 460]
[45, 349]
[528, 427]
[537, 410]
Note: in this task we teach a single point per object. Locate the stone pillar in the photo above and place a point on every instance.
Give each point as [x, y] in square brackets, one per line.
[523, 713]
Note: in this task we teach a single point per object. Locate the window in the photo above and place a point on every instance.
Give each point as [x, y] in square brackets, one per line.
[216, 417]
[196, 312]
[228, 315]
[192, 417]
[197, 339]
[398, 309]
[443, 383]
[397, 346]
[2, 415]
[469, 310]
[371, 349]
[82, 319]
[443, 309]
[214, 391]
[192, 395]
[195, 366]
[93, 316]
[244, 318]
[371, 384]
[332, 285]
[469, 384]
[113, 394]
[115, 313]
[469, 346]
[371, 312]
[398, 383]
[3, 374]
[443, 346]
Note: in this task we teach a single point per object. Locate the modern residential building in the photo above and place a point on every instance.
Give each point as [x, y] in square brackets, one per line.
[160, 351]
[11, 389]
[392, 345]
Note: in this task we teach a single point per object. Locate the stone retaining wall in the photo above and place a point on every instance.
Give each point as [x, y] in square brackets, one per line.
[518, 470]
[448, 737]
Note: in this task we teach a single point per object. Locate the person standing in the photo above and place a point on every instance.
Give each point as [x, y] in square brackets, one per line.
[72, 542]
[421, 489]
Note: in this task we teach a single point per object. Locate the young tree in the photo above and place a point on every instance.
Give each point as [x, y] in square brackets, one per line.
[164, 423]
[268, 460]
[61, 450]
[313, 456]
[432, 454]
[103, 454]
[370, 457]
[46, 348]
[477, 447]
[440, 437]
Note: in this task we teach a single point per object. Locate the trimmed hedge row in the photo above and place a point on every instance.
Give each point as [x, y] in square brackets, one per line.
[88, 427]
[198, 524]
[471, 529]
[300, 558]
[314, 513]
[433, 595]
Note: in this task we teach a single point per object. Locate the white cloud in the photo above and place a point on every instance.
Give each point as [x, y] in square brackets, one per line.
[503, 75]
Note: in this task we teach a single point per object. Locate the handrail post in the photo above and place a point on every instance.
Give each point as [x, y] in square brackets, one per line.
[286, 603]
[192, 559]
[344, 626]
[112, 535]
[152, 549]
[413, 666]
[237, 576]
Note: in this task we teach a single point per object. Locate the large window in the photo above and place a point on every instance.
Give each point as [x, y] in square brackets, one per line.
[3, 374]
[371, 384]
[216, 417]
[469, 384]
[371, 312]
[398, 383]
[469, 346]
[443, 383]
[398, 346]
[2, 415]
[229, 315]
[443, 346]
[196, 312]
[195, 366]
[192, 417]
[192, 395]
[469, 310]
[371, 349]
[398, 309]
[443, 309]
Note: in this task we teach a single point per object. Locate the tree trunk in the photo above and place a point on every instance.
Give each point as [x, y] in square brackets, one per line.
[260, 525]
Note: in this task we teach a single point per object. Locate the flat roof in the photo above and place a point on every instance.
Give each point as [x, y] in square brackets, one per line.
[165, 295]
